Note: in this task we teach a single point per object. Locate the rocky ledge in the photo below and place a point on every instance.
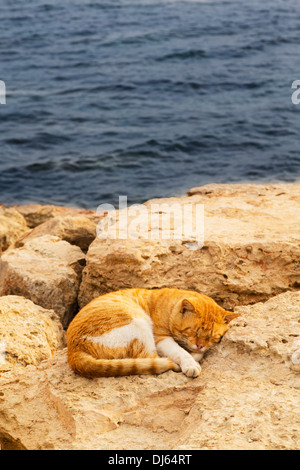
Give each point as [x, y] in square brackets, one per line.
[52, 263]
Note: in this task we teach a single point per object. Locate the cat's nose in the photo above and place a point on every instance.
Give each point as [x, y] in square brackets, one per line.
[200, 346]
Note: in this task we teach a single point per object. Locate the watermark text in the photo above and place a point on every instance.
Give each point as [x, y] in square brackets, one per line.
[2, 92]
[296, 94]
[153, 221]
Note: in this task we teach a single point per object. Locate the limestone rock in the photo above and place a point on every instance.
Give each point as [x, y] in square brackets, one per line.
[29, 334]
[45, 270]
[37, 214]
[250, 250]
[270, 329]
[242, 413]
[31, 416]
[250, 398]
[134, 412]
[12, 226]
[245, 398]
[75, 229]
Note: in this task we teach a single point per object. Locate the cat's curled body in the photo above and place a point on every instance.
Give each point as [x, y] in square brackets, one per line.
[141, 331]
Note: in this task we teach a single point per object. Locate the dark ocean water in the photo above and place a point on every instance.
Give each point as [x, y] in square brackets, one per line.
[145, 98]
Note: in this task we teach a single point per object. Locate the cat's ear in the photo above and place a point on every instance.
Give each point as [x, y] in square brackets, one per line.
[230, 316]
[186, 306]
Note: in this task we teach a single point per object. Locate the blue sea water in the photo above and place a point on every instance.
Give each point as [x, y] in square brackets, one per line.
[145, 98]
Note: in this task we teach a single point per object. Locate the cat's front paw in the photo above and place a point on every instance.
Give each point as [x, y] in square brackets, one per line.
[191, 368]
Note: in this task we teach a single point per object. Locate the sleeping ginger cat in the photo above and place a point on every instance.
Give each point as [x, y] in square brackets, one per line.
[141, 331]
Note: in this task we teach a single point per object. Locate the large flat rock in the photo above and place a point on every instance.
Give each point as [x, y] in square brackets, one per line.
[250, 250]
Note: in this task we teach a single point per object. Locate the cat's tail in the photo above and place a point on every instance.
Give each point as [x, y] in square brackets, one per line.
[86, 365]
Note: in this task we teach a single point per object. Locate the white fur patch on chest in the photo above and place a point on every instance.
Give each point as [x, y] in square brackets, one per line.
[138, 328]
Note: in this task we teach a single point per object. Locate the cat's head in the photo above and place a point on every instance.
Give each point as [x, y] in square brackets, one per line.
[199, 323]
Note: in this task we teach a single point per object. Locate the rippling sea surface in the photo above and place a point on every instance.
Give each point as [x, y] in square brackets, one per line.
[145, 98]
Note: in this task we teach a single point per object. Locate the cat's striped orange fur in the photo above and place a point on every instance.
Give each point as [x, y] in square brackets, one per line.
[141, 331]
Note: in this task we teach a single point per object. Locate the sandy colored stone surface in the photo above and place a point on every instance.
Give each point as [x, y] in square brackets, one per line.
[250, 399]
[31, 416]
[247, 397]
[75, 229]
[29, 333]
[45, 270]
[12, 226]
[241, 413]
[270, 329]
[37, 214]
[251, 247]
